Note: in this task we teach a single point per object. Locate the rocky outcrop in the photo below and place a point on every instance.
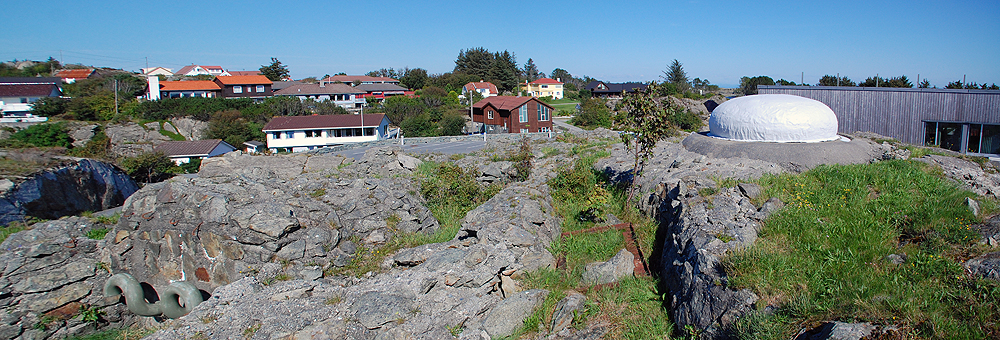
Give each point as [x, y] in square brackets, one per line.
[84, 185]
[190, 128]
[52, 274]
[131, 139]
[986, 266]
[973, 176]
[247, 211]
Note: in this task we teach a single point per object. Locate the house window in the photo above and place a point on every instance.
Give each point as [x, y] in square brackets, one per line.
[545, 86]
[260, 88]
[237, 89]
[276, 135]
[490, 114]
[290, 134]
[524, 130]
[314, 133]
[543, 129]
[523, 114]
[369, 131]
[543, 113]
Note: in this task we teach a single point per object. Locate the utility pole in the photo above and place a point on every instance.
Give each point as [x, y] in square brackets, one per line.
[802, 79]
[838, 78]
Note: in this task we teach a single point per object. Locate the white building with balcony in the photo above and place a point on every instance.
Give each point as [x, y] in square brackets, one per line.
[301, 133]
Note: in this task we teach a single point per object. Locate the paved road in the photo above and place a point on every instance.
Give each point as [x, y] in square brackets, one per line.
[562, 122]
[447, 148]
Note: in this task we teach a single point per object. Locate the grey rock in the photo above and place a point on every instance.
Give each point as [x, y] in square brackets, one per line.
[408, 162]
[619, 266]
[192, 129]
[973, 206]
[770, 206]
[749, 190]
[375, 309]
[839, 331]
[510, 313]
[82, 134]
[986, 266]
[895, 258]
[293, 251]
[566, 310]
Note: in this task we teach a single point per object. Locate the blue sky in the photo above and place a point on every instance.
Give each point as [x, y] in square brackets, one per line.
[610, 40]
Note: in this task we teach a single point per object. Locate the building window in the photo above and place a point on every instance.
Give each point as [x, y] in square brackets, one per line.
[523, 114]
[489, 114]
[369, 131]
[290, 134]
[260, 88]
[314, 133]
[276, 135]
[524, 130]
[545, 86]
[543, 113]
[237, 89]
[543, 129]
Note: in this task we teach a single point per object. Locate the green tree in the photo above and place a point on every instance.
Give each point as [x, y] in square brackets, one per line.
[418, 126]
[785, 82]
[148, 167]
[49, 106]
[644, 122]
[386, 72]
[593, 113]
[925, 84]
[399, 108]
[44, 135]
[474, 61]
[531, 71]
[749, 85]
[231, 127]
[561, 75]
[414, 79]
[276, 71]
[504, 72]
[675, 75]
[828, 80]
[452, 124]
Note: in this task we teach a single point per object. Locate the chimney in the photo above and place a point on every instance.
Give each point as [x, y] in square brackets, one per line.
[154, 88]
[559, 79]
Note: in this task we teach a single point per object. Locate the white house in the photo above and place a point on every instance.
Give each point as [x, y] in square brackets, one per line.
[194, 70]
[185, 151]
[485, 89]
[301, 133]
[157, 71]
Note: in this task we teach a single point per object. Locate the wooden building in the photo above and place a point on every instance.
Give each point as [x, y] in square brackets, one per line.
[507, 114]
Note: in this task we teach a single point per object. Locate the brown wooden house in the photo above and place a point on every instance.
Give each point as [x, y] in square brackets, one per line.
[506, 114]
[245, 86]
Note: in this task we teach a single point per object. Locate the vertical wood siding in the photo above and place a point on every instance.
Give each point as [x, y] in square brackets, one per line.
[899, 113]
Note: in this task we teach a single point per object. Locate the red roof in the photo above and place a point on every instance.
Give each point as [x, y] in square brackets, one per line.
[192, 85]
[351, 79]
[506, 103]
[82, 73]
[321, 122]
[190, 148]
[546, 81]
[241, 80]
[186, 69]
[28, 90]
[472, 86]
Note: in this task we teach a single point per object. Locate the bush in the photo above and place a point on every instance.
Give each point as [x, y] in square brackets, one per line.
[147, 167]
[593, 114]
[687, 121]
[452, 125]
[44, 135]
[418, 126]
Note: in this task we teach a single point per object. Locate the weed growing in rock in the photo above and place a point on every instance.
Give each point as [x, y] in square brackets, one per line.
[317, 193]
[250, 331]
[824, 257]
[90, 313]
[106, 220]
[11, 228]
[333, 300]
[97, 233]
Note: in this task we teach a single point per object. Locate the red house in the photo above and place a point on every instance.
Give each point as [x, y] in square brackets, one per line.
[244, 86]
[506, 114]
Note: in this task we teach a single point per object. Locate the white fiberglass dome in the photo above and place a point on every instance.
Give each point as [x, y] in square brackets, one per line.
[773, 118]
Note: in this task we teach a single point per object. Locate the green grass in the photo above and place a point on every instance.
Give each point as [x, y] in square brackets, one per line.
[115, 334]
[97, 233]
[632, 308]
[823, 256]
[11, 228]
[172, 135]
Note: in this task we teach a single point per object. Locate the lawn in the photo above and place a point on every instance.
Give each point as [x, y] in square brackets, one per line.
[826, 256]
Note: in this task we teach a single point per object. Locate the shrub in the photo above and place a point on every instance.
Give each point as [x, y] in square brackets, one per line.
[147, 166]
[44, 135]
[687, 121]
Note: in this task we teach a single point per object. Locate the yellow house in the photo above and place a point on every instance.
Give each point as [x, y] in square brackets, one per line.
[545, 87]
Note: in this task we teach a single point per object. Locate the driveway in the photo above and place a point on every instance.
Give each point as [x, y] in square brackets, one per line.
[562, 122]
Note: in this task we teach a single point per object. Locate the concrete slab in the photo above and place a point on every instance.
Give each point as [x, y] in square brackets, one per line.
[795, 157]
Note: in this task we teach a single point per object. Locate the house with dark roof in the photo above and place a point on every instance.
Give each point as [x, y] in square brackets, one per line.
[244, 86]
[190, 88]
[31, 80]
[600, 89]
[507, 114]
[16, 99]
[185, 151]
[343, 95]
[72, 75]
[485, 89]
[301, 133]
[196, 70]
[360, 80]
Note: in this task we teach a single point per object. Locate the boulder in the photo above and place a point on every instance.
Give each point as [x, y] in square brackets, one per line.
[839, 331]
[986, 266]
[619, 266]
[509, 315]
[566, 310]
[84, 185]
